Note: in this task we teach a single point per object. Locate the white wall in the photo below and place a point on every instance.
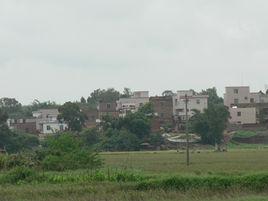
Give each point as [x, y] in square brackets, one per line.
[54, 127]
[248, 115]
[243, 95]
[196, 102]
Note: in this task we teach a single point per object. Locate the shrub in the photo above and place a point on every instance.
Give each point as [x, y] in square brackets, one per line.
[20, 174]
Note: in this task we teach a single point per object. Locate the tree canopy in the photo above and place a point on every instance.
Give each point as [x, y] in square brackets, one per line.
[72, 115]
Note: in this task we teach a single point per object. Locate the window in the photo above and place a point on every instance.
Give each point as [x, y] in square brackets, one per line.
[239, 114]
[162, 115]
[48, 127]
[198, 101]
[141, 104]
[236, 101]
[108, 106]
[235, 91]
[252, 100]
[246, 98]
[162, 104]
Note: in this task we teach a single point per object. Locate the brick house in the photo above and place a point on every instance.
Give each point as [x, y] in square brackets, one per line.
[107, 108]
[163, 109]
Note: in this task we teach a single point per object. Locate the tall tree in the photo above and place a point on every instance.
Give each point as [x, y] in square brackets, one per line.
[83, 100]
[212, 123]
[168, 93]
[213, 96]
[71, 113]
[127, 93]
[106, 95]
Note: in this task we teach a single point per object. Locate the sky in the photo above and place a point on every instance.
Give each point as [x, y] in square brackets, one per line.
[60, 50]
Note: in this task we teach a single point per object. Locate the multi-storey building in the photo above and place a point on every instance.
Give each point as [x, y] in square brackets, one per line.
[163, 109]
[107, 109]
[47, 121]
[132, 104]
[195, 102]
[245, 107]
[26, 125]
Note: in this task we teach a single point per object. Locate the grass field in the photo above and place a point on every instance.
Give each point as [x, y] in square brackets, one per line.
[157, 164]
[172, 162]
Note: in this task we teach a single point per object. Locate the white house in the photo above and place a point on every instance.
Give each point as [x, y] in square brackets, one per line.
[132, 104]
[195, 102]
[47, 121]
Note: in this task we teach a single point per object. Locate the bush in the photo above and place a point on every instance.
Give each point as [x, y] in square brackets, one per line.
[252, 182]
[20, 174]
[64, 152]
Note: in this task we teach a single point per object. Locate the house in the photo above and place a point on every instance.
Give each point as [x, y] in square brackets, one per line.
[27, 125]
[107, 109]
[132, 104]
[163, 109]
[246, 107]
[196, 102]
[47, 121]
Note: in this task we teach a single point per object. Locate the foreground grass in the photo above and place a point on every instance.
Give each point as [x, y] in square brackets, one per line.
[155, 166]
[113, 192]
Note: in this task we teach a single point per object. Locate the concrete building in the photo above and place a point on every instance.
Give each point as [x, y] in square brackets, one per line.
[243, 115]
[163, 108]
[107, 109]
[25, 125]
[132, 104]
[195, 102]
[47, 121]
[245, 107]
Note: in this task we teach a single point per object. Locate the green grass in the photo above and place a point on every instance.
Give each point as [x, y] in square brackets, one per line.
[244, 134]
[171, 162]
[162, 172]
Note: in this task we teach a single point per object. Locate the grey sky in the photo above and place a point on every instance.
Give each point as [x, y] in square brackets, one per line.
[63, 49]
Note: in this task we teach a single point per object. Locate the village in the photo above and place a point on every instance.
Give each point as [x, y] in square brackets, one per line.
[248, 111]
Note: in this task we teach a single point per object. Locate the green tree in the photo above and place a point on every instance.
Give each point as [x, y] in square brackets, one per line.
[90, 137]
[121, 140]
[213, 96]
[71, 113]
[66, 152]
[83, 100]
[211, 124]
[107, 95]
[127, 93]
[168, 93]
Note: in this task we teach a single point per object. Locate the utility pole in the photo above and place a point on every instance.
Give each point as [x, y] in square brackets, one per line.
[187, 132]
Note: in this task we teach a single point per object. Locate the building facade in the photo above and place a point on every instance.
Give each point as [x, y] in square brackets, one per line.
[163, 109]
[245, 107]
[107, 109]
[24, 125]
[47, 121]
[195, 102]
[132, 104]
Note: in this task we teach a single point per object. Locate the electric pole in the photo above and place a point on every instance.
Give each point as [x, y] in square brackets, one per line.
[187, 131]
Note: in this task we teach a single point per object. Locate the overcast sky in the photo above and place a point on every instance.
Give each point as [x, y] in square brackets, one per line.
[63, 49]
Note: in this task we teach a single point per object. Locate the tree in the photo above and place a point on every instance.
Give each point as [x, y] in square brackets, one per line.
[213, 97]
[71, 113]
[211, 124]
[121, 140]
[83, 100]
[127, 93]
[90, 137]
[66, 152]
[109, 95]
[168, 93]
